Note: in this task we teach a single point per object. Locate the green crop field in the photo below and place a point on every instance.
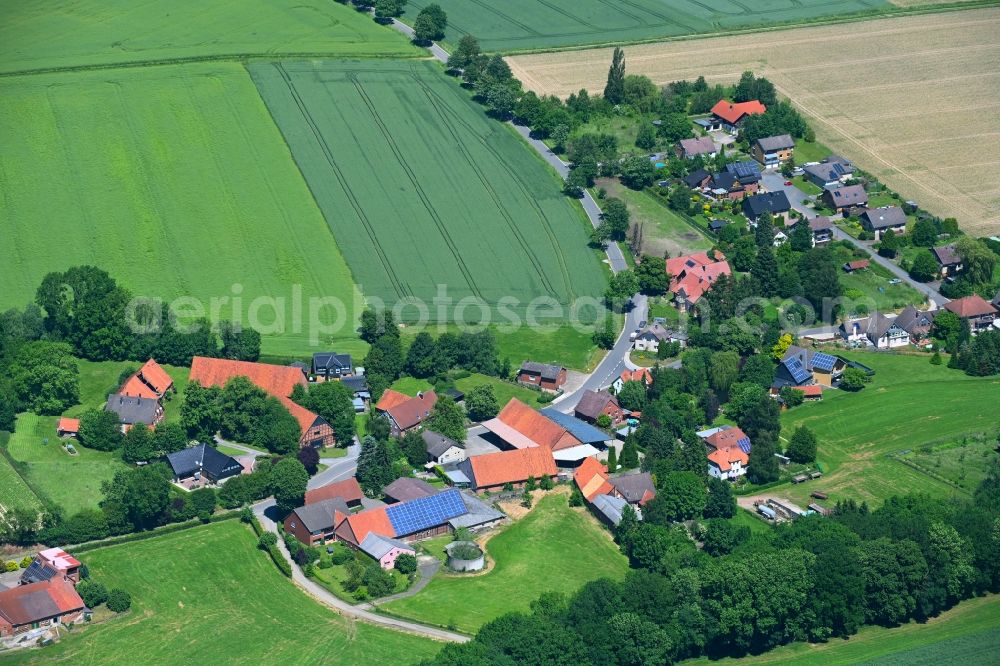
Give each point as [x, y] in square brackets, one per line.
[908, 404]
[967, 634]
[209, 593]
[81, 33]
[14, 492]
[554, 548]
[540, 24]
[421, 189]
[175, 180]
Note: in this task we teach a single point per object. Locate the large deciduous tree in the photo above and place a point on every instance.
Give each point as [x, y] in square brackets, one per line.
[614, 89]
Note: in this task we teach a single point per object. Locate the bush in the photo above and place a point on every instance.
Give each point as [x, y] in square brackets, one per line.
[545, 398]
[26, 561]
[576, 497]
[466, 551]
[119, 600]
[341, 555]
[526, 501]
[246, 515]
[93, 593]
[267, 539]
[11, 566]
[406, 564]
[309, 570]
[546, 483]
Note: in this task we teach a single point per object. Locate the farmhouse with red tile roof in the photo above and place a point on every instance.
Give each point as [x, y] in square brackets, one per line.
[494, 470]
[150, 381]
[731, 115]
[406, 413]
[692, 275]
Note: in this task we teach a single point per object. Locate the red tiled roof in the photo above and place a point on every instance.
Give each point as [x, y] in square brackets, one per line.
[641, 375]
[811, 391]
[407, 412]
[724, 458]
[136, 387]
[727, 437]
[970, 306]
[390, 398]
[349, 490]
[858, 264]
[732, 113]
[25, 604]
[536, 427]
[496, 469]
[277, 380]
[68, 425]
[150, 381]
[592, 479]
[357, 526]
[694, 274]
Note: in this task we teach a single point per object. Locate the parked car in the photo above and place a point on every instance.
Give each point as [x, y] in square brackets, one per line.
[788, 183]
[642, 324]
[895, 281]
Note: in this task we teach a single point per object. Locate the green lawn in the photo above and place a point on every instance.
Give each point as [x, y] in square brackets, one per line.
[807, 186]
[504, 391]
[806, 151]
[437, 196]
[908, 404]
[176, 181]
[411, 385]
[527, 24]
[14, 492]
[554, 548]
[210, 592]
[964, 462]
[967, 634]
[84, 33]
[662, 229]
[870, 287]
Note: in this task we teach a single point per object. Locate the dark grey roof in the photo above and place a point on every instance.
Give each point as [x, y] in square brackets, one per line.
[723, 181]
[378, 545]
[438, 444]
[454, 394]
[747, 171]
[549, 372]
[407, 488]
[38, 571]
[593, 402]
[132, 409]
[874, 326]
[356, 383]
[820, 222]
[848, 195]
[780, 142]
[695, 178]
[913, 320]
[946, 255]
[883, 218]
[610, 507]
[332, 361]
[319, 515]
[477, 513]
[205, 459]
[769, 202]
[633, 486]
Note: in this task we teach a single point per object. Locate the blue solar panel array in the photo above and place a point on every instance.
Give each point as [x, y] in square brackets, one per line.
[426, 512]
[744, 444]
[825, 362]
[743, 169]
[799, 373]
[582, 430]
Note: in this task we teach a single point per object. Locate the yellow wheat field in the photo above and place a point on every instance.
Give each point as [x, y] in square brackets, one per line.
[914, 100]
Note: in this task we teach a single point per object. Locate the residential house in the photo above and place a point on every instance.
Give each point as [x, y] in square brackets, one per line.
[747, 173]
[609, 495]
[39, 605]
[856, 265]
[831, 172]
[358, 385]
[641, 375]
[775, 203]
[692, 275]
[592, 479]
[409, 521]
[546, 377]
[406, 413]
[407, 488]
[315, 523]
[493, 471]
[275, 380]
[725, 185]
[979, 312]
[846, 199]
[202, 461]
[348, 490]
[949, 260]
[730, 116]
[802, 367]
[728, 452]
[698, 179]
[650, 338]
[593, 404]
[442, 450]
[52, 563]
[877, 330]
[331, 365]
[822, 230]
[149, 381]
[385, 550]
[633, 487]
[773, 150]
[878, 220]
[691, 148]
[67, 427]
[916, 322]
[518, 426]
[133, 409]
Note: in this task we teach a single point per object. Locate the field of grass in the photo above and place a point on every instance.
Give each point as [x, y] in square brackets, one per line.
[525, 24]
[504, 391]
[175, 180]
[554, 548]
[84, 33]
[14, 492]
[908, 404]
[966, 634]
[919, 120]
[425, 191]
[964, 462]
[871, 288]
[210, 592]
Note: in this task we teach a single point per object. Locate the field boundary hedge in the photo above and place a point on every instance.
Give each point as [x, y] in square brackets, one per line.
[276, 555]
[151, 534]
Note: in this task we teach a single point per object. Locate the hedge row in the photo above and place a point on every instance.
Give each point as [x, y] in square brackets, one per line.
[275, 553]
[159, 531]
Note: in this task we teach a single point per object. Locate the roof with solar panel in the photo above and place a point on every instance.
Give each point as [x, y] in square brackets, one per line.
[797, 370]
[825, 362]
[421, 514]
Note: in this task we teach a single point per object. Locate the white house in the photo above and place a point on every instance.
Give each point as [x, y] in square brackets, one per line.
[729, 452]
[878, 331]
[649, 338]
[442, 450]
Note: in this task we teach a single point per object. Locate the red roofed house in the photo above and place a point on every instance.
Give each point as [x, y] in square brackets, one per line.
[492, 471]
[591, 478]
[728, 455]
[730, 116]
[979, 312]
[348, 490]
[692, 275]
[67, 427]
[595, 403]
[521, 427]
[404, 412]
[856, 265]
[642, 375]
[150, 381]
[276, 380]
[37, 605]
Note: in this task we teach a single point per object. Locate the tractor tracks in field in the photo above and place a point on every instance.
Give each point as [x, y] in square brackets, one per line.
[398, 285]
